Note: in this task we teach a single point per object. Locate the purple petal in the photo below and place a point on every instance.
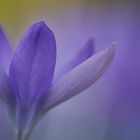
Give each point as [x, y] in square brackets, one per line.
[5, 51]
[32, 67]
[79, 78]
[7, 95]
[83, 54]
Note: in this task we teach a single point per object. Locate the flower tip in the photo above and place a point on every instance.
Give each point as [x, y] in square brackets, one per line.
[110, 52]
[113, 47]
[114, 44]
[40, 25]
[90, 45]
[91, 40]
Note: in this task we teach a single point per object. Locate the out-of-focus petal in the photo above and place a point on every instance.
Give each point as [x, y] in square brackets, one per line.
[83, 54]
[5, 51]
[32, 66]
[79, 78]
[7, 96]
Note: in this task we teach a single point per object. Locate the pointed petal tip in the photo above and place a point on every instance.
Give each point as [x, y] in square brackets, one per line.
[90, 44]
[114, 43]
[41, 22]
[89, 48]
[108, 53]
[41, 25]
[114, 46]
[112, 49]
[91, 40]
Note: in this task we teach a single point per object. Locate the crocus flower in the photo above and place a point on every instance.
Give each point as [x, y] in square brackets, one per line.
[27, 89]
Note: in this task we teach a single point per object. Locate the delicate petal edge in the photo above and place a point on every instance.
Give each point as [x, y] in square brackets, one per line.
[66, 87]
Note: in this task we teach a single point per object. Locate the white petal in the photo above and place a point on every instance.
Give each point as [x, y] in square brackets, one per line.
[79, 78]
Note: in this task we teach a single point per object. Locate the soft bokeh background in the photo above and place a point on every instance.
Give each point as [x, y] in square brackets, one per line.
[110, 109]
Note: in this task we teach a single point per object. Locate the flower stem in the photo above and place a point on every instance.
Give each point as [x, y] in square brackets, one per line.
[31, 128]
[19, 135]
[33, 125]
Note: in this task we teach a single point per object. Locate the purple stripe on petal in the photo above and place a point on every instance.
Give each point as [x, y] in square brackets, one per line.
[5, 51]
[79, 78]
[83, 54]
[32, 67]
